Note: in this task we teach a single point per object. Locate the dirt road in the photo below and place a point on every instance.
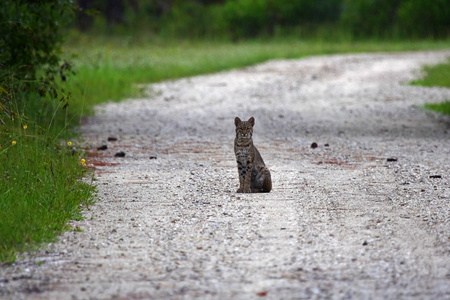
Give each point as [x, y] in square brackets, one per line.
[365, 215]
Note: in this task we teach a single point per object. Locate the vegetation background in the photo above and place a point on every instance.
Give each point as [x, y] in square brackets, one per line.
[239, 19]
[58, 58]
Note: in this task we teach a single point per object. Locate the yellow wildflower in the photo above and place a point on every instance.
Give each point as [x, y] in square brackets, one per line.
[25, 126]
[83, 161]
[13, 142]
[69, 143]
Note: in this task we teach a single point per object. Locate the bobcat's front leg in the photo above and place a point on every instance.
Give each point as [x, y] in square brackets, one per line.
[241, 181]
[247, 180]
[245, 174]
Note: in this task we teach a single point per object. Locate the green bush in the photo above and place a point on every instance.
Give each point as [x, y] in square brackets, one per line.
[30, 36]
[425, 19]
[397, 18]
[190, 19]
[370, 18]
[245, 18]
[250, 18]
[30, 41]
[301, 12]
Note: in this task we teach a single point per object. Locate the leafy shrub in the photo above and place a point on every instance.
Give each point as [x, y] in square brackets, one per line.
[294, 13]
[366, 18]
[30, 35]
[249, 18]
[190, 19]
[397, 18]
[30, 40]
[245, 18]
[423, 18]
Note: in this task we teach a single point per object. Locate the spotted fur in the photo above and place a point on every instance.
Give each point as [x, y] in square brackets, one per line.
[254, 176]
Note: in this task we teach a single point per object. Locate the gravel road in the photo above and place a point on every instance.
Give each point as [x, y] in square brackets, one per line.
[364, 215]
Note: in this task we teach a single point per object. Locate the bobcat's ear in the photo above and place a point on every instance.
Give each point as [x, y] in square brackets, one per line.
[252, 121]
[237, 121]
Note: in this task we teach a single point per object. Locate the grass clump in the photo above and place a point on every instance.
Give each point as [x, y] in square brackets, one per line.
[438, 75]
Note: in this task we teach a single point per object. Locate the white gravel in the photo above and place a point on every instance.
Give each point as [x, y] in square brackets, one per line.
[342, 222]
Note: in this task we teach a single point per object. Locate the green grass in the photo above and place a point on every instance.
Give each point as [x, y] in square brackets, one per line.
[40, 186]
[109, 69]
[438, 75]
[40, 176]
[443, 108]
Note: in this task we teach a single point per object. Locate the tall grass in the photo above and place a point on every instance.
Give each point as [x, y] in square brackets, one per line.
[40, 174]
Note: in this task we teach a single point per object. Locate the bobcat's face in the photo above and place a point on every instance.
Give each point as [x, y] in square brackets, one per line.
[244, 129]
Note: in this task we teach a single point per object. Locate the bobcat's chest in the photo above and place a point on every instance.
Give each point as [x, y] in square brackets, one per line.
[243, 156]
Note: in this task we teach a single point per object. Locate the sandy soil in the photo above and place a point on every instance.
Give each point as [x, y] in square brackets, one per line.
[365, 215]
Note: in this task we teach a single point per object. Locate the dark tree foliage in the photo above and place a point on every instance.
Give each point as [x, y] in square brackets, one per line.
[30, 36]
[248, 18]
[370, 17]
[397, 18]
[112, 10]
[423, 18]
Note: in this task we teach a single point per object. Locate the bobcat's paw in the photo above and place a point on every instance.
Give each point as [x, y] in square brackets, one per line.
[241, 190]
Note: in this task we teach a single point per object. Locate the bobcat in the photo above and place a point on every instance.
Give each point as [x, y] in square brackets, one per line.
[254, 176]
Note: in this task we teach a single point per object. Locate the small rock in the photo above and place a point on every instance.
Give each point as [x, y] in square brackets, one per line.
[120, 154]
[365, 243]
[112, 139]
[102, 148]
[152, 157]
[391, 159]
[435, 176]
[314, 145]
